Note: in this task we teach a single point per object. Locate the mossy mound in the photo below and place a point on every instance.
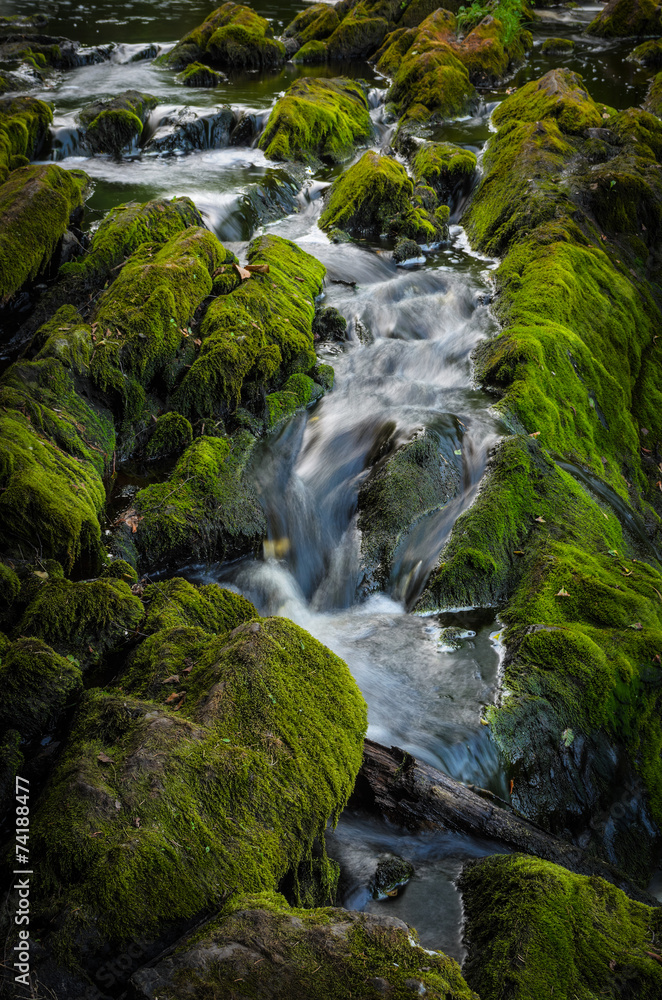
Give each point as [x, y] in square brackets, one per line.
[206, 509]
[544, 931]
[156, 810]
[86, 620]
[176, 604]
[199, 75]
[112, 125]
[403, 488]
[233, 37]
[315, 23]
[488, 56]
[318, 954]
[653, 101]
[312, 53]
[356, 37]
[37, 685]
[316, 120]
[36, 204]
[557, 46]
[446, 168]
[560, 95]
[374, 197]
[648, 54]
[416, 11]
[257, 334]
[171, 435]
[298, 391]
[24, 123]
[623, 18]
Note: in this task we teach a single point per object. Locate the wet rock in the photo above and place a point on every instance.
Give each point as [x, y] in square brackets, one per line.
[36, 54]
[36, 206]
[291, 943]
[653, 102]
[317, 120]
[312, 53]
[648, 54]
[315, 23]
[171, 435]
[356, 38]
[161, 779]
[624, 18]
[111, 126]
[407, 252]
[448, 169]
[374, 197]
[185, 130]
[249, 125]
[275, 196]
[198, 75]
[416, 11]
[233, 37]
[148, 52]
[392, 874]
[546, 931]
[329, 324]
[557, 46]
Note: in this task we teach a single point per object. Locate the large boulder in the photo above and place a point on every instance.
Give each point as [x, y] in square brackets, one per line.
[110, 126]
[233, 37]
[624, 18]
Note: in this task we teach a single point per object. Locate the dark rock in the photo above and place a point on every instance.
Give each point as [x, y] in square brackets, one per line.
[329, 324]
[392, 874]
[185, 130]
[110, 126]
[407, 250]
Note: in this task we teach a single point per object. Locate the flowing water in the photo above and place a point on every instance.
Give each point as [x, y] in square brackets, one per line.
[405, 367]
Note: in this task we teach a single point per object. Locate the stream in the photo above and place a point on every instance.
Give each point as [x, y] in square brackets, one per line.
[426, 680]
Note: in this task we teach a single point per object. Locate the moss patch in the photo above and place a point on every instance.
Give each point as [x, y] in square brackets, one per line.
[24, 123]
[37, 685]
[233, 37]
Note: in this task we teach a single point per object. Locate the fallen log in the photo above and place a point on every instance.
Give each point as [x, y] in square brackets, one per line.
[414, 795]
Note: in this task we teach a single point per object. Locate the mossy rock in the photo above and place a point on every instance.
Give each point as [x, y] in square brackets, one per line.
[315, 23]
[545, 931]
[10, 588]
[330, 324]
[487, 55]
[86, 620]
[317, 119]
[416, 11]
[356, 37]
[653, 102]
[375, 196]
[559, 95]
[557, 46]
[256, 335]
[199, 75]
[171, 435]
[36, 205]
[24, 124]
[110, 126]
[223, 790]
[648, 54]
[37, 686]
[11, 761]
[312, 53]
[206, 509]
[625, 18]
[119, 569]
[446, 168]
[308, 953]
[233, 37]
[175, 603]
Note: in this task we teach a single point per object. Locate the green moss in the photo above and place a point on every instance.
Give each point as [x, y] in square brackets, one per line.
[85, 619]
[417, 11]
[10, 588]
[375, 196]
[653, 101]
[66, 339]
[119, 569]
[557, 46]
[489, 54]
[319, 953]
[648, 54]
[199, 75]
[356, 37]
[258, 332]
[176, 603]
[622, 18]
[559, 95]
[171, 435]
[312, 53]
[50, 501]
[206, 509]
[280, 406]
[24, 123]
[537, 930]
[112, 125]
[230, 787]
[448, 169]
[36, 204]
[317, 119]
[233, 37]
[37, 685]
[316, 22]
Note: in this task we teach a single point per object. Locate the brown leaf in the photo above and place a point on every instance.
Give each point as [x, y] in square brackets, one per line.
[104, 758]
[177, 707]
[637, 626]
[651, 954]
[612, 964]
[171, 680]
[535, 434]
[187, 670]
[243, 273]
[136, 821]
[197, 342]
[657, 658]
[511, 786]
[540, 520]
[257, 268]
[131, 518]
[562, 593]
[173, 697]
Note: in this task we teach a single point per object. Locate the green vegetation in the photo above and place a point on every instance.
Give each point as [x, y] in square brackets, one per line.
[508, 12]
[24, 123]
[37, 685]
[233, 37]
[624, 18]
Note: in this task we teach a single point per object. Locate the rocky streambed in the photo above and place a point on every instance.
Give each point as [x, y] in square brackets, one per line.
[330, 483]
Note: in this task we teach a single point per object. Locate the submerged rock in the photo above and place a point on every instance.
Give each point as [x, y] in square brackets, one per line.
[233, 37]
[392, 874]
[317, 119]
[545, 931]
[198, 75]
[280, 952]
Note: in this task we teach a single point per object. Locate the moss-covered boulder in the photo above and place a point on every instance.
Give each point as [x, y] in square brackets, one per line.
[557, 46]
[356, 37]
[315, 23]
[171, 435]
[448, 169]
[648, 54]
[233, 37]
[317, 119]
[112, 125]
[24, 123]
[205, 510]
[36, 205]
[37, 685]
[403, 488]
[159, 809]
[257, 334]
[487, 53]
[544, 931]
[198, 75]
[376, 197]
[312, 53]
[308, 953]
[623, 18]
[414, 12]
[653, 102]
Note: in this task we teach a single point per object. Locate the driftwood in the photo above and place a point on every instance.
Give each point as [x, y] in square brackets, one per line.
[416, 796]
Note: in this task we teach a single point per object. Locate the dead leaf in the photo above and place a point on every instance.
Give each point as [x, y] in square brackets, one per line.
[511, 786]
[562, 593]
[118, 804]
[136, 821]
[104, 758]
[243, 273]
[657, 658]
[131, 518]
[626, 572]
[535, 434]
[540, 520]
[171, 680]
[187, 670]
[197, 342]
[658, 593]
[612, 964]
[177, 707]
[651, 954]
[637, 626]
[257, 268]
[173, 697]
